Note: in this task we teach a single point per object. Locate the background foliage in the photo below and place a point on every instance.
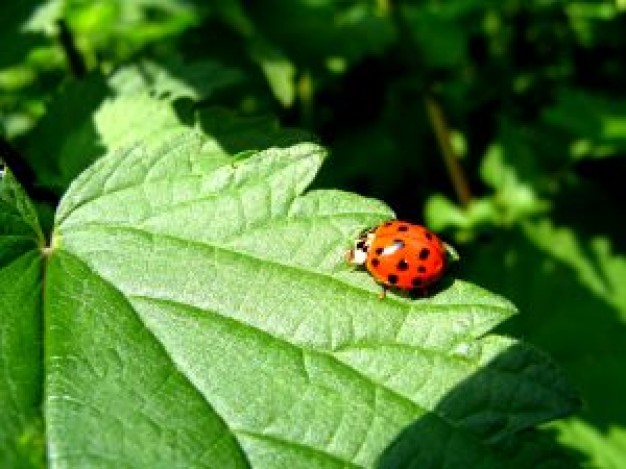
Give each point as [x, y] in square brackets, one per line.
[530, 96]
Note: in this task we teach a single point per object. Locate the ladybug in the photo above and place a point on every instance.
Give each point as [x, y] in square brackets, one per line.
[401, 255]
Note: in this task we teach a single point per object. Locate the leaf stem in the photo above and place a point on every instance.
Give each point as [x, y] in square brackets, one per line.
[383, 7]
[442, 133]
[305, 95]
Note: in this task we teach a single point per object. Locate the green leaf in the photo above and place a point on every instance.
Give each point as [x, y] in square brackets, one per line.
[115, 30]
[198, 314]
[21, 437]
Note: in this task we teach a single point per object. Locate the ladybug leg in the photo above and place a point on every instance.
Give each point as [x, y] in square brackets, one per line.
[383, 292]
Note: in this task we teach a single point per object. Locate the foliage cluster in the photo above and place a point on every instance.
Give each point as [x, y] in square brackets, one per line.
[171, 296]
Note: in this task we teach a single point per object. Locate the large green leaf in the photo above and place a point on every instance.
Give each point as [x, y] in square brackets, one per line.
[198, 314]
[21, 440]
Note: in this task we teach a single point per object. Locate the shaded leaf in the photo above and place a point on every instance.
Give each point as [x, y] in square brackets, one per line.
[197, 80]
[573, 304]
[100, 113]
[351, 31]
[21, 433]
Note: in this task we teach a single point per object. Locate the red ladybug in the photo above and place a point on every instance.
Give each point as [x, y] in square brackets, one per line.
[401, 255]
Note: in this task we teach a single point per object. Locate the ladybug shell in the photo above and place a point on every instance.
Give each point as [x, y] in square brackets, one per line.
[405, 256]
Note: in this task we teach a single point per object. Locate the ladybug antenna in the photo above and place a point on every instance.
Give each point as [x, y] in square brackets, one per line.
[451, 254]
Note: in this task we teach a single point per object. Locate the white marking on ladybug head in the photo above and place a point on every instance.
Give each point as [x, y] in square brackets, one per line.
[358, 254]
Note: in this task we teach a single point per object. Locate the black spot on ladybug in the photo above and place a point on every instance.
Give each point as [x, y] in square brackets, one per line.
[429, 236]
[424, 253]
[392, 279]
[416, 282]
[379, 251]
[421, 269]
[375, 262]
[389, 223]
[403, 228]
[403, 265]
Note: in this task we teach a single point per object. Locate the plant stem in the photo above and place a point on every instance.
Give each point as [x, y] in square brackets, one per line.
[74, 58]
[433, 108]
[442, 133]
[24, 173]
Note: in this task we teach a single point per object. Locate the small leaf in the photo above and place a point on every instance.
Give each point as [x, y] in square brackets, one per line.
[279, 71]
[198, 314]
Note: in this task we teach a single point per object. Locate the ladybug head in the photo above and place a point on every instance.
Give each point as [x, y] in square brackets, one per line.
[358, 254]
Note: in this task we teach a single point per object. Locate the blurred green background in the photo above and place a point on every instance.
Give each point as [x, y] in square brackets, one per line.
[499, 123]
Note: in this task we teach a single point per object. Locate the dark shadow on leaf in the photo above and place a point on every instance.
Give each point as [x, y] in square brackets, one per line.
[489, 419]
[427, 292]
[236, 134]
[579, 328]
